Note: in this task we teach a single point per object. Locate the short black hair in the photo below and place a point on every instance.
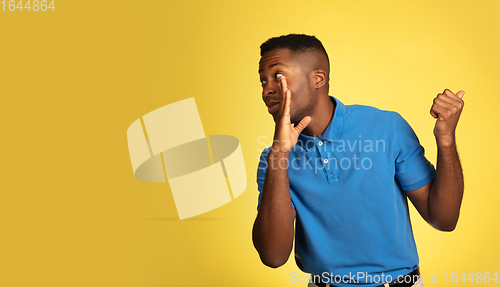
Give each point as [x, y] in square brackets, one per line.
[296, 43]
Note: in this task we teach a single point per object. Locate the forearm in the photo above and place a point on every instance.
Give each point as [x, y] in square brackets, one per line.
[273, 229]
[447, 191]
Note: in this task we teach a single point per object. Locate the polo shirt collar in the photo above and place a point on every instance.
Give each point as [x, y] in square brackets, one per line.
[332, 132]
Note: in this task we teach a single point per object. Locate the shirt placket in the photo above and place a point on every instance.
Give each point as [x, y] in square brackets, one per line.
[325, 150]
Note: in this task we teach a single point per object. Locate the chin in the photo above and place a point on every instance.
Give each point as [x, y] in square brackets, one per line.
[275, 117]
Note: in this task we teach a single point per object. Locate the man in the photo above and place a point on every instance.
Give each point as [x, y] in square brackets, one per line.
[343, 173]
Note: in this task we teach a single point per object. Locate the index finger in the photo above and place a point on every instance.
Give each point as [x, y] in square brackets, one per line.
[283, 89]
[283, 84]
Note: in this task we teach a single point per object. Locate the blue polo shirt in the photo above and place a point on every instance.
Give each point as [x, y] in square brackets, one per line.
[348, 188]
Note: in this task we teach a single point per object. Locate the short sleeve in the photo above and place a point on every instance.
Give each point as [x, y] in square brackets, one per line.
[413, 170]
[261, 173]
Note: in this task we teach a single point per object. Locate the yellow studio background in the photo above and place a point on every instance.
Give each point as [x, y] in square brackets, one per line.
[73, 80]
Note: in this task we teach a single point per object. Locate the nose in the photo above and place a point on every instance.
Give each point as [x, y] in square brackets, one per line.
[270, 89]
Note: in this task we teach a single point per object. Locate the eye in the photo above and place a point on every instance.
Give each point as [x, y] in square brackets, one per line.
[278, 75]
[263, 82]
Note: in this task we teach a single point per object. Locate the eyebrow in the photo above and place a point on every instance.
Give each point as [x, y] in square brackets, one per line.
[275, 64]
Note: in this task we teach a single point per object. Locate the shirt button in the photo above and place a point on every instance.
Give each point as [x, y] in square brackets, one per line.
[320, 143]
[325, 160]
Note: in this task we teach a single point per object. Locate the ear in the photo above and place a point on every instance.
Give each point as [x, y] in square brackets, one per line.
[319, 78]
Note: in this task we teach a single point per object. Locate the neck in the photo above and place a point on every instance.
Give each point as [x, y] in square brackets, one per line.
[321, 116]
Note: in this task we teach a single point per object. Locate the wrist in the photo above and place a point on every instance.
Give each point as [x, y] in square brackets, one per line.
[445, 142]
[279, 150]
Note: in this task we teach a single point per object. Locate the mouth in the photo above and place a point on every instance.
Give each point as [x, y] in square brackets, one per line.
[274, 108]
